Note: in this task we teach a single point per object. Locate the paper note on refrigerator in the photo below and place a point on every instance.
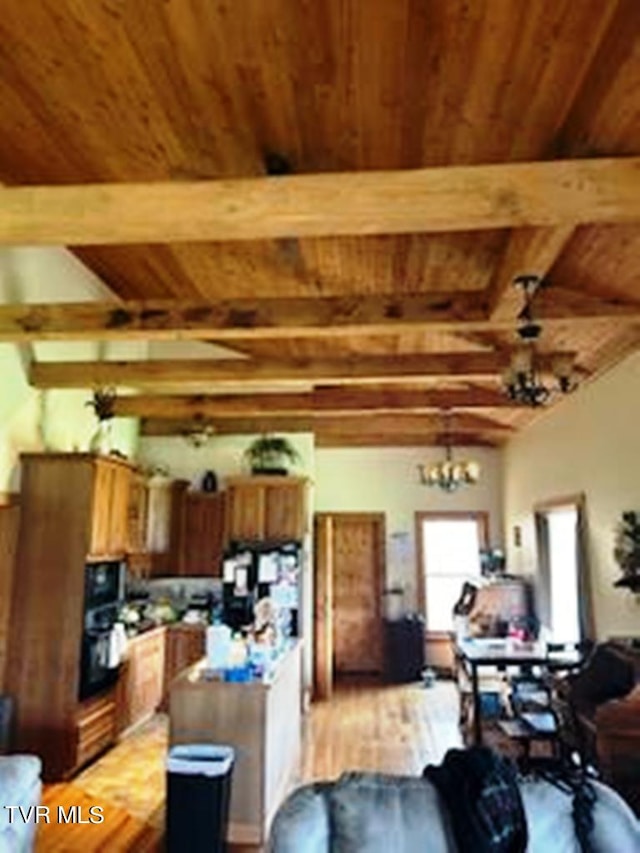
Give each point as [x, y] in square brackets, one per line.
[268, 568]
[228, 571]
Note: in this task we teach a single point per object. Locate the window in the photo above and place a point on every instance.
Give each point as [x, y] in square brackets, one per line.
[562, 526]
[562, 587]
[449, 554]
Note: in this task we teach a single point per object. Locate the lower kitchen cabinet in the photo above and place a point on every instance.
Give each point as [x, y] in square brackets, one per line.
[185, 644]
[141, 683]
[96, 721]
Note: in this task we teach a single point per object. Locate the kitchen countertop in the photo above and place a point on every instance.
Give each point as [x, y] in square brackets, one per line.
[172, 626]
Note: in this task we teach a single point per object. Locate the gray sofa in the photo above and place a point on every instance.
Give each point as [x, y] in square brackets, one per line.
[377, 813]
[20, 785]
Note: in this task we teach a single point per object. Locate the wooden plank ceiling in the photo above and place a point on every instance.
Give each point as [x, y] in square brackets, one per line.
[406, 323]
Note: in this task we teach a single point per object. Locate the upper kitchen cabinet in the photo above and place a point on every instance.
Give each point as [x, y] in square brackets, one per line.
[110, 507]
[138, 557]
[203, 541]
[164, 523]
[137, 515]
[267, 508]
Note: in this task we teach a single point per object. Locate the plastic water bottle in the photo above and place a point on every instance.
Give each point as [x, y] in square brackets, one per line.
[218, 646]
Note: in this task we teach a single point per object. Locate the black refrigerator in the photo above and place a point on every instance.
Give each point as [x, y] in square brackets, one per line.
[255, 570]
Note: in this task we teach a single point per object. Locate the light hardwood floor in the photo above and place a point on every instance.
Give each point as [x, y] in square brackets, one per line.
[395, 729]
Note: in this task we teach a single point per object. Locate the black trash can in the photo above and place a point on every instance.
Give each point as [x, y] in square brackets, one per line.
[198, 793]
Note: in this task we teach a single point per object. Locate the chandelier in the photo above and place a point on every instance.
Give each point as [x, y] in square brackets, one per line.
[522, 380]
[199, 433]
[448, 474]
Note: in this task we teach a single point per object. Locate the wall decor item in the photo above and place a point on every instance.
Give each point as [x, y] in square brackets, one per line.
[626, 551]
[209, 482]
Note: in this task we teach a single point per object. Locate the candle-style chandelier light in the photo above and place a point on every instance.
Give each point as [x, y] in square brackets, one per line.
[449, 474]
[522, 380]
[198, 433]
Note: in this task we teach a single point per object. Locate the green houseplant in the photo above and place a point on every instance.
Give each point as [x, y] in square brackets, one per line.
[271, 454]
[627, 550]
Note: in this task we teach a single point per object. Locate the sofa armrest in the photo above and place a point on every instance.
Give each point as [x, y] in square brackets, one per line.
[302, 821]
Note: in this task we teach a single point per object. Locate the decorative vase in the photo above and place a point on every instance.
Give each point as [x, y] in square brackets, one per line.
[101, 439]
[209, 482]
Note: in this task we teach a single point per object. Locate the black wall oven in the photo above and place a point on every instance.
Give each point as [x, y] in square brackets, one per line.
[103, 584]
[103, 596]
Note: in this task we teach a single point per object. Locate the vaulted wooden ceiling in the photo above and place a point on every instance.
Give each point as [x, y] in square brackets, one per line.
[184, 91]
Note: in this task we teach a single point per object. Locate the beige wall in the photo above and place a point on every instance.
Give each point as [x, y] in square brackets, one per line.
[590, 443]
[222, 454]
[386, 480]
[32, 420]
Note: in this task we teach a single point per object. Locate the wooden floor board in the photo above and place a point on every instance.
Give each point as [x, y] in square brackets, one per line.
[392, 729]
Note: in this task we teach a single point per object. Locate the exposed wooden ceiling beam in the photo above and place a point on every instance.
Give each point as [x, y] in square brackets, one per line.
[531, 251]
[447, 198]
[346, 371]
[178, 320]
[289, 317]
[372, 439]
[396, 424]
[327, 401]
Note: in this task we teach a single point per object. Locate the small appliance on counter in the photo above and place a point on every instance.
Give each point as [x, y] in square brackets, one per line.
[198, 608]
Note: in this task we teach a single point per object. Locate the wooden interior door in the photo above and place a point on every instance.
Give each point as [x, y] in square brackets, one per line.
[357, 591]
[349, 581]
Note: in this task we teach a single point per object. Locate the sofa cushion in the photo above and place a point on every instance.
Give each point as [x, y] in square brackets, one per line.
[550, 820]
[378, 812]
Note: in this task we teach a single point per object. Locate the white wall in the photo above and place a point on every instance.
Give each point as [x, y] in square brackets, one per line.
[386, 480]
[589, 443]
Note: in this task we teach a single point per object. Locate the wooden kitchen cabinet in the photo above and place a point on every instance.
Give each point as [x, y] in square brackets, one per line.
[95, 726]
[203, 538]
[141, 683]
[137, 514]
[73, 508]
[285, 510]
[165, 527]
[185, 645]
[267, 508]
[110, 510]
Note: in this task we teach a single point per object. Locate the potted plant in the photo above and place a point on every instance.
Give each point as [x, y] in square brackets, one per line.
[271, 454]
[627, 550]
[102, 403]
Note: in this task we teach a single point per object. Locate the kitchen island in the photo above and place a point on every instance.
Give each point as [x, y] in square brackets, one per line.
[261, 720]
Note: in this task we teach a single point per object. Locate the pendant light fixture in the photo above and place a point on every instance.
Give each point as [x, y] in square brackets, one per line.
[522, 380]
[449, 474]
